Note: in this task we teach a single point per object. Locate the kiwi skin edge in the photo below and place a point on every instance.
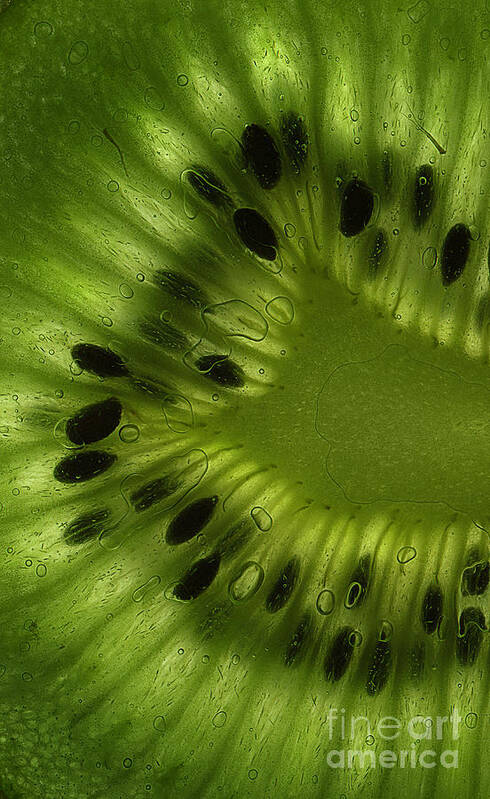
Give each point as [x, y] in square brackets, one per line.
[244, 402]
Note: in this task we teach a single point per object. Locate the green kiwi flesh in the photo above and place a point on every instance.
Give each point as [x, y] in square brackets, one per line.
[245, 398]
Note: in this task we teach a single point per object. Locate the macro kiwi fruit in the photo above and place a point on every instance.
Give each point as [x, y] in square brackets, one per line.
[245, 399]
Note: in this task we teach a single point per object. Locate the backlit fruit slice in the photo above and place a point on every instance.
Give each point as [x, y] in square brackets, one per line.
[244, 506]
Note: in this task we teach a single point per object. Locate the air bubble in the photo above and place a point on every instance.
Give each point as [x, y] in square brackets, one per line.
[247, 582]
[179, 413]
[325, 602]
[471, 720]
[159, 724]
[324, 51]
[253, 774]
[219, 719]
[126, 291]
[120, 115]
[41, 570]
[182, 80]
[354, 114]
[43, 29]
[406, 554]
[140, 276]
[262, 519]
[357, 140]
[386, 630]
[429, 257]
[127, 762]
[140, 593]
[78, 53]
[418, 11]
[281, 310]
[129, 433]
[113, 185]
[353, 594]
[153, 99]
[370, 740]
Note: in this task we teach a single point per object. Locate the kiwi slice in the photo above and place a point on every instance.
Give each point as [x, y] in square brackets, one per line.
[245, 399]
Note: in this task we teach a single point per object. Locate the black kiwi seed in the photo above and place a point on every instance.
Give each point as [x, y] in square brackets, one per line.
[100, 361]
[432, 609]
[417, 661]
[153, 492]
[339, 655]
[379, 667]
[83, 466]
[180, 287]
[86, 527]
[455, 251]
[191, 520]
[476, 576]
[94, 422]
[162, 334]
[208, 186]
[296, 646]
[356, 207]
[262, 155]
[284, 586]
[222, 370]
[378, 250]
[295, 139]
[256, 233]
[198, 578]
[468, 642]
[424, 194]
[359, 583]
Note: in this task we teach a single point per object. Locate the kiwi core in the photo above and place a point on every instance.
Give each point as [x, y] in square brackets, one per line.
[363, 406]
